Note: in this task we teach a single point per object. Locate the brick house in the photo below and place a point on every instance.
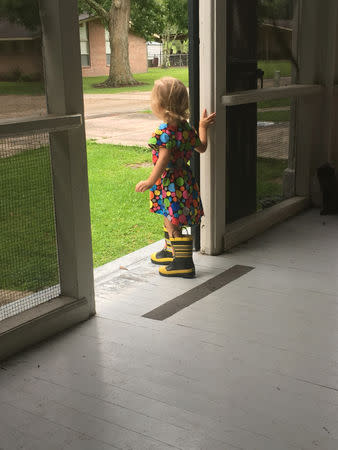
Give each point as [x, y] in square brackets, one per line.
[95, 49]
[20, 50]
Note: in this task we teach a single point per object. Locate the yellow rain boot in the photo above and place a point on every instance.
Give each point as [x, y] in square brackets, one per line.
[164, 256]
[182, 265]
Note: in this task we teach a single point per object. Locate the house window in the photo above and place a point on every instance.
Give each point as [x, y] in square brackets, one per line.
[107, 48]
[14, 47]
[6, 47]
[20, 46]
[84, 44]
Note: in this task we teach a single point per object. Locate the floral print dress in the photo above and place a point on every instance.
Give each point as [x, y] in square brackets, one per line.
[176, 194]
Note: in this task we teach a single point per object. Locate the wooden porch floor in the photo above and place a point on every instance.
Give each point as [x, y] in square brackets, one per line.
[252, 366]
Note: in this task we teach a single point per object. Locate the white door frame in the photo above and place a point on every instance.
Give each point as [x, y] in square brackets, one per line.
[213, 162]
[314, 136]
[64, 122]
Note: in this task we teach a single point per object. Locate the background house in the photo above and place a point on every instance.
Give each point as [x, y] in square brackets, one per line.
[95, 49]
[155, 53]
[20, 51]
[21, 56]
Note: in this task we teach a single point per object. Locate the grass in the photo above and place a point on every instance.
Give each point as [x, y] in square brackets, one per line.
[269, 177]
[28, 259]
[270, 67]
[275, 103]
[148, 78]
[21, 88]
[273, 116]
[121, 221]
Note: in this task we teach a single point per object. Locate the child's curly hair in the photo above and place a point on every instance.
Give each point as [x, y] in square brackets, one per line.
[170, 99]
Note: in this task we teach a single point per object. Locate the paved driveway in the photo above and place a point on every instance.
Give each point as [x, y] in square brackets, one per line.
[95, 104]
[110, 118]
[126, 129]
[119, 118]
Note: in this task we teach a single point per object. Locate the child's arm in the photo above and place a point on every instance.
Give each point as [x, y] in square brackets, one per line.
[205, 122]
[158, 169]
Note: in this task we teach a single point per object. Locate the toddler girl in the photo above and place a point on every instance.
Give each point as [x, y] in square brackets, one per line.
[174, 192]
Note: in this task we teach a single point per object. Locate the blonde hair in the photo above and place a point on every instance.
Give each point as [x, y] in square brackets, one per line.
[170, 100]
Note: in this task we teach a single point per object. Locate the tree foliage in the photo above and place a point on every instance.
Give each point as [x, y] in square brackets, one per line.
[145, 15]
[275, 9]
[175, 22]
[175, 14]
[146, 18]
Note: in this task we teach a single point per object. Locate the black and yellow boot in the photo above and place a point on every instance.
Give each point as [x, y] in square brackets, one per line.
[164, 256]
[182, 265]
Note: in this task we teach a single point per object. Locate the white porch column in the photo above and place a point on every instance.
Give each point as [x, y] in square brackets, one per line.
[213, 162]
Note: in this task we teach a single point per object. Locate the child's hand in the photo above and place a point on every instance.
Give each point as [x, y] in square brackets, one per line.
[206, 121]
[143, 186]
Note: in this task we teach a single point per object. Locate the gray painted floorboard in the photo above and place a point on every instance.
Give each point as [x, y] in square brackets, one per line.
[252, 366]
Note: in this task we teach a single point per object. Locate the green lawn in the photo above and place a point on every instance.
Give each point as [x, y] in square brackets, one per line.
[273, 116]
[270, 67]
[21, 88]
[28, 259]
[269, 178]
[148, 78]
[274, 103]
[121, 221]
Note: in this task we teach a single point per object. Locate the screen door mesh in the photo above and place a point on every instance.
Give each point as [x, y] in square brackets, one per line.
[273, 141]
[277, 67]
[28, 251]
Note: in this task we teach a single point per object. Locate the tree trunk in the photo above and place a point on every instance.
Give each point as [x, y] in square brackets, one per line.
[169, 35]
[166, 50]
[118, 27]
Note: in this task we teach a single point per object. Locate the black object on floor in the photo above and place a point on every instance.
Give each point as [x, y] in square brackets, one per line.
[329, 187]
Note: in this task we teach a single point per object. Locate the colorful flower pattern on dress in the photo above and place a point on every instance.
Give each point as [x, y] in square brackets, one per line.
[176, 194]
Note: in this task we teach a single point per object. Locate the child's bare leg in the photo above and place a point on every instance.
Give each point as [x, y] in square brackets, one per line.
[173, 230]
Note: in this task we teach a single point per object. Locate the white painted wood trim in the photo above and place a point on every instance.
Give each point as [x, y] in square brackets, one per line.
[248, 227]
[213, 161]
[51, 122]
[63, 75]
[307, 138]
[39, 323]
[259, 95]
